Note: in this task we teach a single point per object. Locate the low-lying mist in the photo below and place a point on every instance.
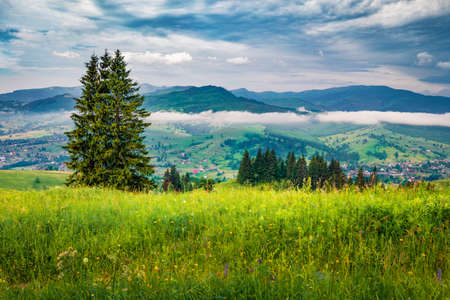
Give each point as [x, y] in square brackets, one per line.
[224, 118]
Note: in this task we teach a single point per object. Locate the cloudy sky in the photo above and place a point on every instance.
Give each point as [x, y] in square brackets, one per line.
[258, 44]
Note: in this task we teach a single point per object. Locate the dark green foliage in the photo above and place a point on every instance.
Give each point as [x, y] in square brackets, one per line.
[206, 184]
[258, 167]
[186, 183]
[374, 177]
[281, 169]
[291, 167]
[301, 172]
[172, 180]
[336, 176]
[360, 180]
[106, 147]
[270, 166]
[318, 171]
[245, 174]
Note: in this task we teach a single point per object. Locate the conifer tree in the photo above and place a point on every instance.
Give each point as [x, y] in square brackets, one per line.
[186, 182]
[302, 172]
[281, 169]
[82, 144]
[175, 179]
[258, 167]
[166, 180]
[106, 147]
[270, 163]
[360, 180]
[245, 175]
[336, 176]
[291, 167]
[318, 171]
[374, 177]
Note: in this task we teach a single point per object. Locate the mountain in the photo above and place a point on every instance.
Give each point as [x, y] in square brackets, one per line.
[198, 99]
[57, 103]
[30, 95]
[284, 99]
[355, 98]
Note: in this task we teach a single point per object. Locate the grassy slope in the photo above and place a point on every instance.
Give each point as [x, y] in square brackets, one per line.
[379, 139]
[234, 242]
[25, 180]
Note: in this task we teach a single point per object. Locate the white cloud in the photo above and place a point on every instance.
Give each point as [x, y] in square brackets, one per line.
[444, 64]
[148, 57]
[212, 57]
[391, 14]
[238, 60]
[321, 53]
[424, 58]
[227, 118]
[375, 117]
[66, 54]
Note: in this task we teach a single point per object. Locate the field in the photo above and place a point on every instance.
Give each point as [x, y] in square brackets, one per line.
[235, 242]
[26, 180]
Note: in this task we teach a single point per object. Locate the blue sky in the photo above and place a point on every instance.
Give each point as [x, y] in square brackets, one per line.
[261, 45]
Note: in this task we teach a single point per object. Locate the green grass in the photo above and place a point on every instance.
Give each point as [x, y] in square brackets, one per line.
[236, 242]
[25, 180]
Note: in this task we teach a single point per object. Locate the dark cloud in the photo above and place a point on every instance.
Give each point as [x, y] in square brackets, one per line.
[8, 34]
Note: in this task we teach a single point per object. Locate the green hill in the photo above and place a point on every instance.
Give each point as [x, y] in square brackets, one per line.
[57, 103]
[198, 99]
[26, 180]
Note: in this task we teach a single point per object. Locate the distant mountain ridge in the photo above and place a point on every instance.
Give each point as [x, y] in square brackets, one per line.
[354, 98]
[197, 99]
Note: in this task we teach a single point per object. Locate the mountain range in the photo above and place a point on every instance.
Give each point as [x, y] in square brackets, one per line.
[193, 99]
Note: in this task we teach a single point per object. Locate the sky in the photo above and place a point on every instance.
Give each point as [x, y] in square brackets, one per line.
[255, 44]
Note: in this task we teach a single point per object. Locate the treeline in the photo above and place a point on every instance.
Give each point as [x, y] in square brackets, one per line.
[174, 182]
[267, 167]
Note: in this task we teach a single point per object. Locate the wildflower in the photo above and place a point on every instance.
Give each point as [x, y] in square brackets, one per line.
[410, 272]
[322, 221]
[118, 245]
[439, 275]
[225, 272]
[423, 254]
[85, 260]
[97, 258]
[401, 240]
[156, 268]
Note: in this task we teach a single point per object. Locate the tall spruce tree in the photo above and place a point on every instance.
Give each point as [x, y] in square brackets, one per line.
[258, 167]
[374, 177]
[336, 176]
[111, 121]
[82, 144]
[318, 171]
[360, 179]
[245, 175]
[302, 172]
[291, 167]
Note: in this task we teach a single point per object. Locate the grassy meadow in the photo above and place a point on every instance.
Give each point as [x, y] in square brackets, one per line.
[235, 242]
[30, 179]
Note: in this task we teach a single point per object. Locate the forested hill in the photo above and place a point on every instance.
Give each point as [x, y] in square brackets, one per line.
[353, 98]
[198, 99]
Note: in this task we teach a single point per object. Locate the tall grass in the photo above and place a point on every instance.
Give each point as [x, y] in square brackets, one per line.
[236, 242]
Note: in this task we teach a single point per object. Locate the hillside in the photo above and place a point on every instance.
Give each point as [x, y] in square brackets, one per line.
[354, 98]
[235, 242]
[57, 103]
[30, 95]
[198, 99]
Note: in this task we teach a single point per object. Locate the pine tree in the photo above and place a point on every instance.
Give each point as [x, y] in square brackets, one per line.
[360, 180]
[106, 147]
[166, 180]
[245, 175]
[336, 176]
[258, 167]
[270, 165]
[281, 169]
[302, 172]
[374, 177]
[291, 167]
[82, 144]
[175, 179]
[186, 182]
[318, 171]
